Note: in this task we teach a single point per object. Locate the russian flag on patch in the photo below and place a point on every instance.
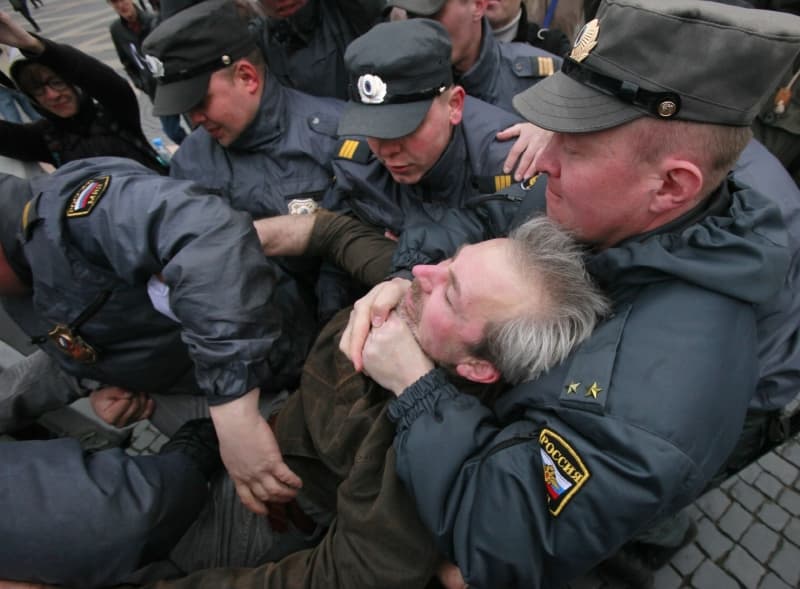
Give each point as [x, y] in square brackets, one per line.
[86, 197]
[555, 484]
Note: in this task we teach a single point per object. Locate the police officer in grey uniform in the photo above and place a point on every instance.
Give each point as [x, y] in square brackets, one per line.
[590, 428]
[125, 278]
[396, 165]
[487, 69]
[265, 148]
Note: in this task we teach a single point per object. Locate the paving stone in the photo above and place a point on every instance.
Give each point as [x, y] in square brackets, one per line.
[735, 521]
[773, 581]
[790, 501]
[750, 497]
[728, 483]
[786, 563]
[687, 559]
[713, 542]
[791, 452]
[768, 484]
[785, 471]
[774, 516]
[744, 568]
[750, 473]
[667, 578]
[792, 531]
[760, 541]
[714, 503]
[710, 576]
[694, 512]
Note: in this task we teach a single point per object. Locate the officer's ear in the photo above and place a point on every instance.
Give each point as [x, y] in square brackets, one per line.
[246, 74]
[455, 103]
[680, 185]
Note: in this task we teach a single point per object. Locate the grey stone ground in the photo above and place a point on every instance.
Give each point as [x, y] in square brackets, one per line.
[749, 528]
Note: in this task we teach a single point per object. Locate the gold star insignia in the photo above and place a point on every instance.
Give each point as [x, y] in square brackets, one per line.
[572, 388]
[593, 390]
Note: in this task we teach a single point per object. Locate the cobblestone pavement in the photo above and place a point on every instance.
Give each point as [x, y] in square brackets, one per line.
[748, 528]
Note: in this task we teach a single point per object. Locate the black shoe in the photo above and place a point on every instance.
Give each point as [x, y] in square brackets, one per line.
[656, 556]
[197, 439]
[627, 567]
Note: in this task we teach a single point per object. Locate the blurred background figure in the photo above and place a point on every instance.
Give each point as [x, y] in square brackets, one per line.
[127, 33]
[12, 101]
[87, 108]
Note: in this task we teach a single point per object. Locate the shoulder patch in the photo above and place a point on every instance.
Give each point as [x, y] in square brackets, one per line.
[87, 196]
[492, 184]
[564, 471]
[354, 150]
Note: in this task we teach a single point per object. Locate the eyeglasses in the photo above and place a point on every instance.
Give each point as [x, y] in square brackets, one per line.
[53, 83]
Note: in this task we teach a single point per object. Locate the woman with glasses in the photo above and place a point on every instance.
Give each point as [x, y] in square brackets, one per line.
[87, 108]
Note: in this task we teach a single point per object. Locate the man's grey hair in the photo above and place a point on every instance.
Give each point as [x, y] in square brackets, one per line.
[551, 261]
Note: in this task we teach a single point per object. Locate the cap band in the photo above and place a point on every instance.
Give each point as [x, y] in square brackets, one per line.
[663, 105]
[357, 95]
[157, 67]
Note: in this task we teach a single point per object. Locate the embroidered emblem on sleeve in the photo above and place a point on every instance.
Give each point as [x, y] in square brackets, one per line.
[87, 196]
[564, 471]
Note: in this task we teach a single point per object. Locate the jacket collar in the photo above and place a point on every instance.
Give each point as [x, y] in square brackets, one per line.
[449, 170]
[269, 123]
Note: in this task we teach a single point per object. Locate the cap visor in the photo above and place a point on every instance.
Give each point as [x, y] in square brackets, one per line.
[383, 121]
[561, 104]
[179, 97]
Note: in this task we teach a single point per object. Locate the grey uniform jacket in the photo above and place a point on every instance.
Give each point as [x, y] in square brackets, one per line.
[90, 520]
[505, 69]
[779, 317]
[472, 164]
[627, 430]
[97, 230]
[279, 163]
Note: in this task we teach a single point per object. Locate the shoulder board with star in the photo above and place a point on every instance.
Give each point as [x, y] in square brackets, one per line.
[83, 200]
[354, 150]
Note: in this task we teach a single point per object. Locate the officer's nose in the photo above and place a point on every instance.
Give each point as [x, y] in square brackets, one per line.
[196, 116]
[547, 162]
[385, 148]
